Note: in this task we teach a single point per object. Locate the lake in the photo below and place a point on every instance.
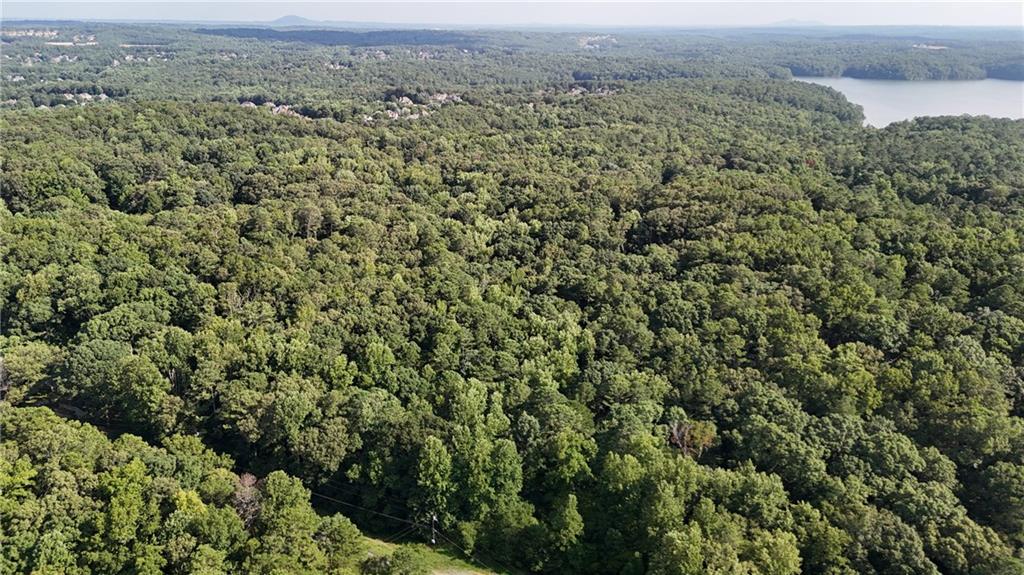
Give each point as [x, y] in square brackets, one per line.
[887, 101]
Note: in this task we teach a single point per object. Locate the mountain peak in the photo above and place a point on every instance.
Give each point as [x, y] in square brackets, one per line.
[292, 20]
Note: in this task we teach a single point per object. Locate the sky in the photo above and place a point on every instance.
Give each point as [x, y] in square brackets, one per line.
[597, 14]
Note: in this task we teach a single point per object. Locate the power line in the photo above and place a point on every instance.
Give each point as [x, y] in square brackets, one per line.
[402, 533]
[355, 491]
[484, 564]
[415, 525]
[340, 502]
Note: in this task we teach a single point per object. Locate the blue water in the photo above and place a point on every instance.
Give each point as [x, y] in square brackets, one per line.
[887, 101]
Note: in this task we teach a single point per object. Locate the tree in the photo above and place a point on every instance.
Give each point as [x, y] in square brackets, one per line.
[340, 539]
[433, 481]
[286, 526]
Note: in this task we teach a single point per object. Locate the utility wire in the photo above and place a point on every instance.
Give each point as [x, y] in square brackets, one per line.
[415, 525]
[355, 491]
[479, 560]
[401, 534]
[392, 517]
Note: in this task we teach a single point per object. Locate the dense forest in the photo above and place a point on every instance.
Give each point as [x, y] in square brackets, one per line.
[338, 73]
[563, 303]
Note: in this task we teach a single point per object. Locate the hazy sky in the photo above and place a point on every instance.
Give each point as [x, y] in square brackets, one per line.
[679, 14]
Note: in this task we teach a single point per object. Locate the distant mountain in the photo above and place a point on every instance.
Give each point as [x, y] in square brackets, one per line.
[293, 20]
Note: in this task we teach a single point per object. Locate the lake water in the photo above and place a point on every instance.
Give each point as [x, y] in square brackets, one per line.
[887, 101]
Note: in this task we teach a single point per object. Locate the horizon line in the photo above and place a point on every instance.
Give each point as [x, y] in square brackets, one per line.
[313, 23]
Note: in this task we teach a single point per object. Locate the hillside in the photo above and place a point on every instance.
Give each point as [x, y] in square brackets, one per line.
[563, 309]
